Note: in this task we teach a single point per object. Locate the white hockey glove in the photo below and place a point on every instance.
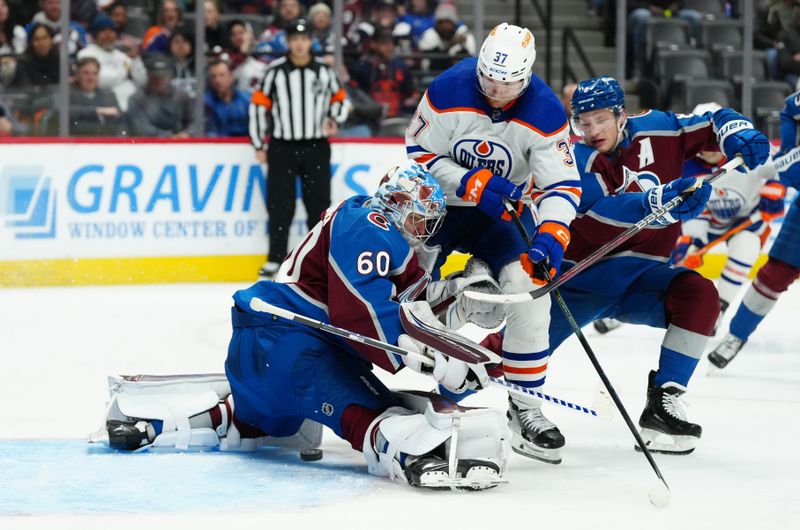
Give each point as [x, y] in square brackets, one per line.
[457, 376]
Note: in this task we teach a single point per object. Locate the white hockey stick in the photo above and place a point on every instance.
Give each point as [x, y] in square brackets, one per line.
[256, 304]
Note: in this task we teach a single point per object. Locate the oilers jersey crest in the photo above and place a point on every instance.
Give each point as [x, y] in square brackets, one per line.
[454, 130]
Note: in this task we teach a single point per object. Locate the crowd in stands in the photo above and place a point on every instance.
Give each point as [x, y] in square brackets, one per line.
[132, 72]
[142, 58]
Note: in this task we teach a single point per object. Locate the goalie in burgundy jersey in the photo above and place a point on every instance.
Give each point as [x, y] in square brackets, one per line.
[630, 166]
[352, 270]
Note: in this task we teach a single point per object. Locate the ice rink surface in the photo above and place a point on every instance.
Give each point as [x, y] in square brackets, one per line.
[59, 344]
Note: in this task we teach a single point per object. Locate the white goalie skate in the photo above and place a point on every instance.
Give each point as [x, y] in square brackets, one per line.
[434, 443]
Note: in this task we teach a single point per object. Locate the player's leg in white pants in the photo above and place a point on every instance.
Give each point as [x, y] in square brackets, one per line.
[526, 351]
[743, 250]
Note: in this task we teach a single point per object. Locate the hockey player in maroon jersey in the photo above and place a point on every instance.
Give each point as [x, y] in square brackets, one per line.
[630, 166]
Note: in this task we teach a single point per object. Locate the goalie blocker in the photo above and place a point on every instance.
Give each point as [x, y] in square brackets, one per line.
[427, 441]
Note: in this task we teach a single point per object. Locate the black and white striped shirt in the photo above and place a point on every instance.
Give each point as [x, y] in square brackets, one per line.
[296, 101]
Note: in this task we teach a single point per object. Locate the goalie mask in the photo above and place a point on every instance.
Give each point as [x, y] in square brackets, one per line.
[412, 200]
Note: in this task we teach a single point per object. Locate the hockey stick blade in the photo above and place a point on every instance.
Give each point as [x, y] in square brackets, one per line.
[420, 323]
[603, 250]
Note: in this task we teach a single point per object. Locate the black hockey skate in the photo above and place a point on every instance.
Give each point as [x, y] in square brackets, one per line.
[433, 472]
[129, 435]
[726, 351]
[604, 325]
[533, 435]
[663, 422]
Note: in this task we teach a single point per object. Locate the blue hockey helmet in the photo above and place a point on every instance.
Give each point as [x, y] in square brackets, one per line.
[412, 200]
[597, 93]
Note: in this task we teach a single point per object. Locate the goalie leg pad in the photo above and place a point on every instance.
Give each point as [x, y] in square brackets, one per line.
[451, 446]
[171, 400]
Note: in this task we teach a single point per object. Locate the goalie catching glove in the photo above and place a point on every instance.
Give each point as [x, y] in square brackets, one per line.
[457, 376]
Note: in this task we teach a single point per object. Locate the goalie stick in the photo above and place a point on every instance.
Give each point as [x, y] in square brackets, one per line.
[256, 304]
[601, 251]
[659, 496]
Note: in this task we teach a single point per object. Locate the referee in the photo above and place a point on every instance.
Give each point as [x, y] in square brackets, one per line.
[302, 102]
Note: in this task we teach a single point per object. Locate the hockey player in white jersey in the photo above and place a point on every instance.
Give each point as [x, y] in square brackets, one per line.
[490, 130]
[751, 199]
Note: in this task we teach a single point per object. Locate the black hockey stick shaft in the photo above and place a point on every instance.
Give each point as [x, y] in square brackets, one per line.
[601, 251]
[586, 347]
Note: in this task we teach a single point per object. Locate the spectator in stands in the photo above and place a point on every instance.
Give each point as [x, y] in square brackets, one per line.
[419, 16]
[247, 70]
[8, 68]
[353, 13]
[287, 10]
[23, 10]
[181, 50]
[240, 42]
[250, 7]
[385, 77]
[37, 67]
[50, 16]
[448, 36]
[319, 16]
[12, 36]
[127, 42]
[226, 107]
[156, 38]
[9, 125]
[364, 119]
[277, 45]
[781, 15]
[640, 11]
[216, 34]
[159, 109]
[383, 16]
[118, 72]
[83, 11]
[93, 111]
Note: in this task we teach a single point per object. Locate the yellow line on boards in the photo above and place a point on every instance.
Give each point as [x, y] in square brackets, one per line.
[186, 269]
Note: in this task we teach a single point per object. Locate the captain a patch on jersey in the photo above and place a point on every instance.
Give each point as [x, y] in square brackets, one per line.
[477, 152]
